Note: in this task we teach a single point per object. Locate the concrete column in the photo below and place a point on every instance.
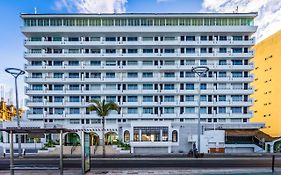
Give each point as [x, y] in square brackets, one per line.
[161, 134]
[140, 135]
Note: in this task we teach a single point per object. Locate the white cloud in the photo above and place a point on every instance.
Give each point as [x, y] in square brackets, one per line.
[92, 6]
[159, 1]
[269, 13]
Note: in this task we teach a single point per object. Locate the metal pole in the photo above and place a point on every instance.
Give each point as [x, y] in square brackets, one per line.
[83, 151]
[18, 117]
[273, 163]
[11, 153]
[61, 152]
[199, 116]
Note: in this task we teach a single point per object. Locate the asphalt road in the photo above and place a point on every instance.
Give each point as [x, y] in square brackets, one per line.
[70, 163]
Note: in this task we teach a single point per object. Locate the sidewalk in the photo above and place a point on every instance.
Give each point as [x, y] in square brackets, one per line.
[148, 171]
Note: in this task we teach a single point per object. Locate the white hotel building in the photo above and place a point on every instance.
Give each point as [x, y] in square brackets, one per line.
[143, 63]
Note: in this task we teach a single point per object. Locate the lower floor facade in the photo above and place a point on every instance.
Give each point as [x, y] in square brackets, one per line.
[143, 137]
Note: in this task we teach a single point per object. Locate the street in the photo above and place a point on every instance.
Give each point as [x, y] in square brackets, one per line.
[120, 163]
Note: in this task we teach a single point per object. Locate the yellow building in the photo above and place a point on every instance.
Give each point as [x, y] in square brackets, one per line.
[267, 84]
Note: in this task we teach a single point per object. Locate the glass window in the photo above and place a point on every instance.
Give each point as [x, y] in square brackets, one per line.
[203, 110]
[146, 22]
[222, 62]
[58, 99]
[203, 97]
[189, 86]
[132, 87]
[169, 86]
[189, 98]
[147, 50]
[147, 110]
[107, 22]
[190, 110]
[222, 110]
[132, 63]
[203, 86]
[37, 99]
[147, 86]
[73, 75]
[190, 50]
[132, 99]
[236, 74]
[169, 98]
[222, 97]
[110, 98]
[120, 22]
[95, 22]
[58, 87]
[237, 62]
[74, 87]
[169, 74]
[236, 97]
[74, 110]
[95, 63]
[159, 22]
[58, 75]
[132, 110]
[133, 22]
[169, 110]
[132, 75]
[147, 99]
[222, 74]
[37, 110]
[236, 109]
[37, 87]
[222, 50]
[59, 111]
[110, 75]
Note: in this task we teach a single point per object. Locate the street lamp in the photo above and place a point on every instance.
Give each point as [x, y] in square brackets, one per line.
[201, 71]
[15, 72]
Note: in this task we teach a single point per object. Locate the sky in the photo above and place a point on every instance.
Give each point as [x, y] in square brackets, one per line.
[12, 48]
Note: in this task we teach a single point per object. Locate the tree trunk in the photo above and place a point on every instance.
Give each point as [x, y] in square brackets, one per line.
[103, 137]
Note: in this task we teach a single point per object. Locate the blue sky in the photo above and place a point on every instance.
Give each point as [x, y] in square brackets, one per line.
[11, 45]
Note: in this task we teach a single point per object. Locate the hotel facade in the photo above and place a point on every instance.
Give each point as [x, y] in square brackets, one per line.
[142, 62]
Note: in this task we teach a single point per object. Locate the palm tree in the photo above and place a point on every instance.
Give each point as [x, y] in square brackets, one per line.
[102, 109]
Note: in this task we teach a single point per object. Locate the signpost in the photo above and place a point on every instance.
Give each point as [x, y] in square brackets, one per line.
[86, 152]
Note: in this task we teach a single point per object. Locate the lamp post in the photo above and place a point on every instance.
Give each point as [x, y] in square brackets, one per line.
[201, 72]
[15, 72]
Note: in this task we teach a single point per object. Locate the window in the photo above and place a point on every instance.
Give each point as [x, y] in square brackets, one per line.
[237, 50]
[189, 110]
[169, 62]
[95, 63]
[169, 87]
[190, 50]
[222, 62]
[169, 74]
[59, 111]
[74, 99]
[132, 87]
[237, 74]
[110, 75]
[222, 110]
[147, 99]
[237, 38]
[147, 63]
[132, 63]
[189, 98]
[147, 110]
[132, 99]
[147, 50]
[222, 50]
[203, 110]
[73, 75]
[37, 111]
[132, 38]
[36, 75]
[98, 98]
[203, 86]
[37, 99]
[147, 74]
[236, 97]
[58, 87]
[74, 110]
[37, 87]
[169, 50]
[203, 98]
[58, 99]
[174, 136]
[74, 87]
[110, 51]
[222, 74]
[147, 86]
[169, 110]
[132, 110]
[110, 39]
[222, 97]
[236, 109]
[110, 63]
[58, 75]
[189, 86]
[57, 63]
[203, 62]
[190, 38]
[169, 98]
[36, 63]
[237, 62]
[110, 98]
[132, 75]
